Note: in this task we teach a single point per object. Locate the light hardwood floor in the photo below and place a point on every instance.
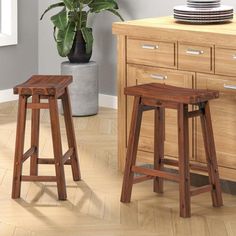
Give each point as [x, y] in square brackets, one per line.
[93, 206]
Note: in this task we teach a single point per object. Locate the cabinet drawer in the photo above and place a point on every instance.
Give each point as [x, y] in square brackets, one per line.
[146, 74]
[195, 58]
[225, 84]
[225, 61]
[151, 53]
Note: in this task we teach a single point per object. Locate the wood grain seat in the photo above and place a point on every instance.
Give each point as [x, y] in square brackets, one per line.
[52, 88]
[157, 97]
[170, 93]
[53, 85]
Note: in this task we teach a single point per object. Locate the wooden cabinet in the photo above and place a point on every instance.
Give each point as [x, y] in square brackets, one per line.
[163, 51]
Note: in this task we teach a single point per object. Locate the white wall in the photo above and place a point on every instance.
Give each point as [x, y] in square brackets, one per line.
[105, 44]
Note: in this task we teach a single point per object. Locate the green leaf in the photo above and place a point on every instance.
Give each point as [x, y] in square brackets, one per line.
[102, 5]
[54, 33]
[65, 39]
[83, 19]
[75, 17]
[70, 4]
[88, 38]
[116, 13]
[85, 1]
[60, 19]
[60, 4]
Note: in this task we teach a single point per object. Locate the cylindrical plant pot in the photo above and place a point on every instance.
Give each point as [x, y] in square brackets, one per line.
[84, 89]
[78, 51]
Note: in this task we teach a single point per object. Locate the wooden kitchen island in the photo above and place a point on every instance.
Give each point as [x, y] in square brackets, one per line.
[194, 56]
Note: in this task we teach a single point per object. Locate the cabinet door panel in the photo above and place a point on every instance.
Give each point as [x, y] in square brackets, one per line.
[143, 74]
[223, 112]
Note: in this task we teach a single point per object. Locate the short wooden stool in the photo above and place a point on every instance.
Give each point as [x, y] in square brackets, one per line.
[51, 88]
[157, 97]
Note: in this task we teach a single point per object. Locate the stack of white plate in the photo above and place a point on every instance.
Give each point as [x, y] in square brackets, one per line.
[203, 12]
[203, 4]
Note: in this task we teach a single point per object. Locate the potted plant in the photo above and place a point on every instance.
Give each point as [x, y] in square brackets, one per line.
[74, 40]
[73, 37]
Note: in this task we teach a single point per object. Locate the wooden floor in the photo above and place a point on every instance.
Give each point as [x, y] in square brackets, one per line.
[93, 206]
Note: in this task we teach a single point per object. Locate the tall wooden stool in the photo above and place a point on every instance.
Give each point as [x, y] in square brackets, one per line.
[51, 88]
[157, 97]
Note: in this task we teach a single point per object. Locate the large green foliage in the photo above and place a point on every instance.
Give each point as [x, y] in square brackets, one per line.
[73, 17]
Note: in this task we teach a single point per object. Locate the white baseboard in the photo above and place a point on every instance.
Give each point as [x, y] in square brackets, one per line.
[7, 95]
[108, 101]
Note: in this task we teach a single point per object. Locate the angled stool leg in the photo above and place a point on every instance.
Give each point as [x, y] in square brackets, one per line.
[184, 181]
[159, 136]
[19, 147]
[35, 136]
[57, 148]
[132, 150]
[210, 151]
[71, 135]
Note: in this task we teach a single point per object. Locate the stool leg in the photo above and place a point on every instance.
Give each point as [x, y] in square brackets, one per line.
[57, 148]
[159, 136]
[19, 147]
[132, 150]
[71, 135]
[184, 181]
[209, 144]
[35, 136]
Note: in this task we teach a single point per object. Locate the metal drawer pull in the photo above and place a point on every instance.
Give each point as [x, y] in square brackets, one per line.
[194, 52]
[234, 56]
[159, 77]
[152, 47]
[230, 86]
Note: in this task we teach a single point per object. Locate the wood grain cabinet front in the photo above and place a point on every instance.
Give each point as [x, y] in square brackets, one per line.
[198, 56]
[225, 61]
[143, 74]
[151, 53]
[195, 57]
[223, 119]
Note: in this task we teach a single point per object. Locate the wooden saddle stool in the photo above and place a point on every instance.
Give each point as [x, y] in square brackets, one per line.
[157, 97]
[51, 88]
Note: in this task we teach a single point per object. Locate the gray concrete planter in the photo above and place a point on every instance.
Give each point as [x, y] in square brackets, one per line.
[84, 89]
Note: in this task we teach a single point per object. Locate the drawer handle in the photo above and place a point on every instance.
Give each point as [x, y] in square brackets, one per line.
[151, 47]
[194, 52]
[234, 56]
[159, 77]
[230, 86]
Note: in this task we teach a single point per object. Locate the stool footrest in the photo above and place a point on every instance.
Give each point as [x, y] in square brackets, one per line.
[193, 166]
[37, 106]
[67, 155]
[28, 153]
[50, 161]
[155, 173]
[199, 190]
[27, 178]
[140, 179]
[196, 113]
